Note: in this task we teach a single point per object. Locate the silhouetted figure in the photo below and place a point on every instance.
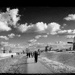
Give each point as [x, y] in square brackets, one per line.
[50, 48]
[23, 52]
[39, 51]
[29, 54]
[11, 56]
[46, 48]
[36, 56]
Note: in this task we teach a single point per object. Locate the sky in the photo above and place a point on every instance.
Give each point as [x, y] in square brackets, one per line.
[28, 25]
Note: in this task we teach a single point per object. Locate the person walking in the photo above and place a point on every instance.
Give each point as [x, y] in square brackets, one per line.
[32, 54]
[29, 54]
[46, 48]
[35, 56]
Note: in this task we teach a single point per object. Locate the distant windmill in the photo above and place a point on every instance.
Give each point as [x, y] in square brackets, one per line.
[73, 43]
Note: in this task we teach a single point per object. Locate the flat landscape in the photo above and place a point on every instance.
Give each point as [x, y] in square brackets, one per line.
[37, 40]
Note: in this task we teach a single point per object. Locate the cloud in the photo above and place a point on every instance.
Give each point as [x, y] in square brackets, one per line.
[4, 43]
[69, 31]
[32, 41]
[11, 35]
[8, 19]
[40, 27]
[70, 36]
[14, 15]
[44, 35]
[18, 35]
[53, 28]
[4, 27]
[70, 17]
[62, 31]
[23, 27]
[64, 25]
[4, 37]
[38, 36]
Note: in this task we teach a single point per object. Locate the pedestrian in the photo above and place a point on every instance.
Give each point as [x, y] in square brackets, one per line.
[29, 54]
[11, 56]
[46, 48]
[36, 56]
[38, 51]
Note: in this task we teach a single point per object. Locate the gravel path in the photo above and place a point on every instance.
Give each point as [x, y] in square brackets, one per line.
[19, 67]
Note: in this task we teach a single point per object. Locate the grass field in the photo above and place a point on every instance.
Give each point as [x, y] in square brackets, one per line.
[63, 57]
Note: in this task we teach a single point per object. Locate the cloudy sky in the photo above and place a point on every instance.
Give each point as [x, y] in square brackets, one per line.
[37, 25]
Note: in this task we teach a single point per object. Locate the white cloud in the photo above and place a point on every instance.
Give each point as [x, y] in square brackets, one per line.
[73, 31]
[4, 43]
[38, 36]
[53, 28]
[70, 36]
[32, 41]
[14, 15]
[4, 27]
[41, 27]
[4, 37]
[10, 17]
[18, 35]
[70, 17]
[11, 35]
[25, 27]
[44, 35]
[62, 31]
[69, 31]
[64, 25]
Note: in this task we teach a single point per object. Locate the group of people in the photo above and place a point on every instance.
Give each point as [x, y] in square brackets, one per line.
[33, 54]
[36, 53]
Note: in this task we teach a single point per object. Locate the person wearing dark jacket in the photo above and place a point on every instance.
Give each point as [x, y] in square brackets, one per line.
[36, 56]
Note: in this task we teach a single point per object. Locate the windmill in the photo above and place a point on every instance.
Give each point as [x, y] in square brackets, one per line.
[73, 43]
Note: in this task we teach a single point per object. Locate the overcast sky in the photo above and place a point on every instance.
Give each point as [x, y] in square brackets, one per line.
[37, 24]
